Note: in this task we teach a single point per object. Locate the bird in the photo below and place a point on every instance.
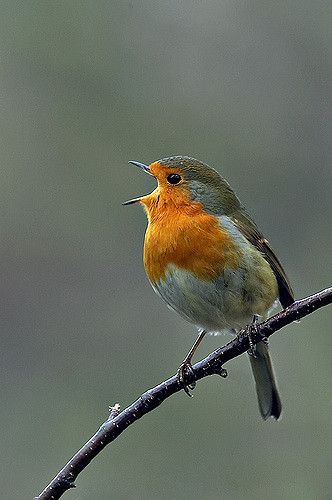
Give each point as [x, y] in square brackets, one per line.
[207, 259]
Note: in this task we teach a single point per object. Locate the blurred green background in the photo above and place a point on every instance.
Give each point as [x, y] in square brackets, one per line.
[85, 87]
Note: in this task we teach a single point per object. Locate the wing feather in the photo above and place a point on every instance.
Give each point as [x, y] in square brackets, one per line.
[251, 232]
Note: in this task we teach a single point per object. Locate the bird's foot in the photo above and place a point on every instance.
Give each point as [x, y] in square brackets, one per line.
[250, 331]
[184, 372]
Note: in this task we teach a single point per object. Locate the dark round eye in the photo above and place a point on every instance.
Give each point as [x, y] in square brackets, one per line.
[174, 178]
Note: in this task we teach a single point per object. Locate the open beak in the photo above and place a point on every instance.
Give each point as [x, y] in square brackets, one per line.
[145, 169]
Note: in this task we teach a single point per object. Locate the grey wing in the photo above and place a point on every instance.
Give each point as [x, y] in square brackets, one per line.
[250, 231]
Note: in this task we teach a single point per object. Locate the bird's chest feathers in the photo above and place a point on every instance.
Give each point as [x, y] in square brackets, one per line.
[189, 238]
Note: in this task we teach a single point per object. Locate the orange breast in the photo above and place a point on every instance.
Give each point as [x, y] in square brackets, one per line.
[181, 233]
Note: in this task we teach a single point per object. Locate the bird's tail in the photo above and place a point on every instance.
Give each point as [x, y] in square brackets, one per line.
[266, 386]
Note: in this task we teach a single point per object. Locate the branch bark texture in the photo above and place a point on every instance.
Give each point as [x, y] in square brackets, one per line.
[151, 399]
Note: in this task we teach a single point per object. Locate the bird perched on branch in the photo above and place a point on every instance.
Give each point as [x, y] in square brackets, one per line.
[210, 263]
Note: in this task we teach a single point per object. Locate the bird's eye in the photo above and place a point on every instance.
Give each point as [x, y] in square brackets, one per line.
[174, 178]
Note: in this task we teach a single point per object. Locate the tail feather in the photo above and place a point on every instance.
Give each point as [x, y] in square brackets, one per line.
[266, 386]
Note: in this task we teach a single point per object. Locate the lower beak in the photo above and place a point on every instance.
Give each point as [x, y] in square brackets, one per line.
[145, 169]
[131, 202]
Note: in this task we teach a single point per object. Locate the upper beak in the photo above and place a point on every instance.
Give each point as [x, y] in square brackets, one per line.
[145, 169]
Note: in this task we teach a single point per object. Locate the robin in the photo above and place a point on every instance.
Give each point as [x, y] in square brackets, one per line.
[210, 263]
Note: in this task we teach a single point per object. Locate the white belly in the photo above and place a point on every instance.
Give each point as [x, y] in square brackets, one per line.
[213, 305]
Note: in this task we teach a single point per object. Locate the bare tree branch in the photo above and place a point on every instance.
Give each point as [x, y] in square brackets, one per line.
[151, 399]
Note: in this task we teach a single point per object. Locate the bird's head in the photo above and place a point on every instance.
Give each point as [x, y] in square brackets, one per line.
[183, 182]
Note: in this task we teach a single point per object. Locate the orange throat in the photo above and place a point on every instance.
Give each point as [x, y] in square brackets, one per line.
[182, 234]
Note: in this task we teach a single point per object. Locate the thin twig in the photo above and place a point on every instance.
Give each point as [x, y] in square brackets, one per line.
[151, 399]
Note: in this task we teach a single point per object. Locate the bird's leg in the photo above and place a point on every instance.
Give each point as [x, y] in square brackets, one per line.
[185, 367]
[250, 329]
